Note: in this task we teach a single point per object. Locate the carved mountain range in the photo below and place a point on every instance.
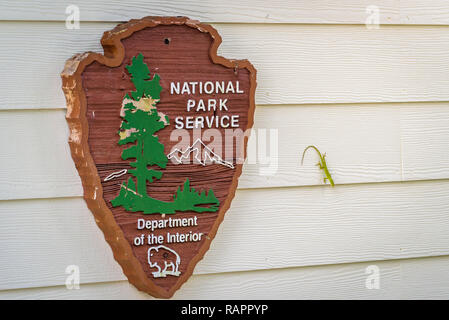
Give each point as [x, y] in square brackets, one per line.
[201, 153]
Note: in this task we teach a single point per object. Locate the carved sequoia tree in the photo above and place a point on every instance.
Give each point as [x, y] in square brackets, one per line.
[141, 121]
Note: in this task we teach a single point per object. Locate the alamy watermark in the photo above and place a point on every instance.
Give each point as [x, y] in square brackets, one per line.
[373, 19]
[373, 279]
[227, 147]
[72, 20]
[72, 281]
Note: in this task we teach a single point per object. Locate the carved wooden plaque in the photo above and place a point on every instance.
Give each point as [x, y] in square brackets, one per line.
[158, 133]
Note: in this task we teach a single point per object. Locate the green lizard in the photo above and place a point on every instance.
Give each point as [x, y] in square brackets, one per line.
[322, 164]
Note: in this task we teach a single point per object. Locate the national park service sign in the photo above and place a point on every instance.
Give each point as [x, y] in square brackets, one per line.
[158, 133]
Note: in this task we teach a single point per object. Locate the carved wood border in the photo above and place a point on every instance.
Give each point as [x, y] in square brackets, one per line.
[76, 118]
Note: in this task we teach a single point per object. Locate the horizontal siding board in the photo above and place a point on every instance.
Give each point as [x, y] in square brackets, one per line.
[337, 281]
[399, 279]
[362, 144]
[420, 12]
[285, 11]
[264, 229]
[296, 63]
[36, 160]
[425, 142]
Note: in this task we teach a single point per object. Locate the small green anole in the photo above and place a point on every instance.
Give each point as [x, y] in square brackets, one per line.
[322, 164]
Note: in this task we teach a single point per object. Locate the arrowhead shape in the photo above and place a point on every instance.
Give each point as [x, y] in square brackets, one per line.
[158, 212]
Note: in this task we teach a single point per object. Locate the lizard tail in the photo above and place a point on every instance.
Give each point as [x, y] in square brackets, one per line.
[304, 152]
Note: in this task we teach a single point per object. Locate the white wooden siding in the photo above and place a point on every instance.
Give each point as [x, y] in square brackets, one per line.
[364, 143]
[376, 101]
[296, 63]
[306, 226]
[400, 279]
[252, 11]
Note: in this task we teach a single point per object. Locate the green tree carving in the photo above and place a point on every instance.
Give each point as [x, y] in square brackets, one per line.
[148, 151]
[141, 79]
[140, 123]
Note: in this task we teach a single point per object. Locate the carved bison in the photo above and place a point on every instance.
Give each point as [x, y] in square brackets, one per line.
[166, 261]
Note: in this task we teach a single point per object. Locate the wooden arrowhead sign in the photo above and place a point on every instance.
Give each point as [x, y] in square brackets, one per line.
[158, 133]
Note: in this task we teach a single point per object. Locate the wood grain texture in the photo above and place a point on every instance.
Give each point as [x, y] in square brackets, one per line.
[285, 11]
[36, 161]
[264, 229]
[425, 278]
[296, 63]
[425, 141]
[362, 143]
